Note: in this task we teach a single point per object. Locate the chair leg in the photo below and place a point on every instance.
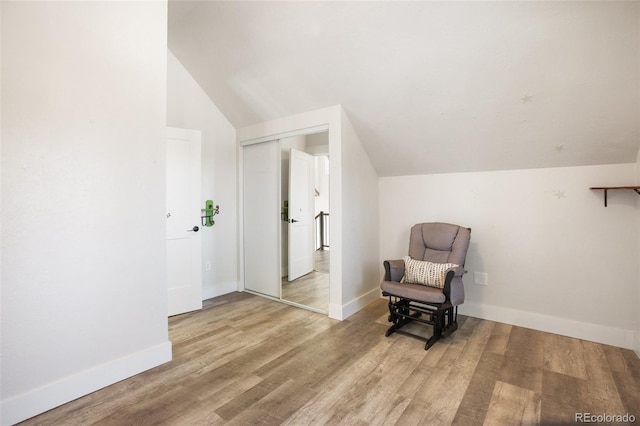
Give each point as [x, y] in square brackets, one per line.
[438, 325]
[396, 312]
[393, 317]
[399, 322]
[450, 329]
[430, 342]
[451, 323]
[390, 331]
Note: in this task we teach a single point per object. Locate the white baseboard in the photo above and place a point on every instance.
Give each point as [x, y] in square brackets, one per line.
[219, 290]
[358, 303]
[44, 398]
[557, 325]
[335, 311]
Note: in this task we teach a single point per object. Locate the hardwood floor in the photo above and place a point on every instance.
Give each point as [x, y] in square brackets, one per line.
[246, 360]
[312, 289]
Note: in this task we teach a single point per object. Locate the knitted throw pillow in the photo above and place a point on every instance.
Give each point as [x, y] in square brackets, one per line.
[426, 273]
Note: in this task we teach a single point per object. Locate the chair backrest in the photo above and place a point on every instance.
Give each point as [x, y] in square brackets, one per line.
[439, 242]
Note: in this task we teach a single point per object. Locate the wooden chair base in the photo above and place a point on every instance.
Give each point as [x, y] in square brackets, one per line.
[443, 317]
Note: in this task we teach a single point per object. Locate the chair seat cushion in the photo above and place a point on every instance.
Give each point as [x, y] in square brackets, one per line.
[418, 292]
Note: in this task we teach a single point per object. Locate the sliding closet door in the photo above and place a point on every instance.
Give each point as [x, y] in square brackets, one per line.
[261, 217]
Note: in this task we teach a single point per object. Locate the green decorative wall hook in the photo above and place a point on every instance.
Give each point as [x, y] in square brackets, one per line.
[209, 212]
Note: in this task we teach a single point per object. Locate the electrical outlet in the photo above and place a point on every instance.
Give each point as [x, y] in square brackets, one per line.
[207, 266]
[481, 278]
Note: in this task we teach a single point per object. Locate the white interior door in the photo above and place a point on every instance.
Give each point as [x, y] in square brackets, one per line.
[184, 273]
[261, 217]
[301, 213]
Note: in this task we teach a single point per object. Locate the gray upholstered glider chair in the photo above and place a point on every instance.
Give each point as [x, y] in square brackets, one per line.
[426, 286]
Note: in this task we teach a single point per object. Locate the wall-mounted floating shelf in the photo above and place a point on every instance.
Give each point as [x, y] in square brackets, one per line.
[606, 188]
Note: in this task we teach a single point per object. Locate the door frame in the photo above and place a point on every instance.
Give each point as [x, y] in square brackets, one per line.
[334, 283]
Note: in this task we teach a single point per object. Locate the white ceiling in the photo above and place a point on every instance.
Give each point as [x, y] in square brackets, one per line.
[430, 87]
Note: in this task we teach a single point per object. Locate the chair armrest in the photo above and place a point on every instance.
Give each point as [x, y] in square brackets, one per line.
[458, 271]
[393, 270]
[453, 286]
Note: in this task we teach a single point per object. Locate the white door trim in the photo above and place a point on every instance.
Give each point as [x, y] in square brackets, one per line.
[305, 131]
[327, 119]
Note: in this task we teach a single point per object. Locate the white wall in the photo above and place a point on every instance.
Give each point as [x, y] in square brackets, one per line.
[83, 198]
[322, 184]
[556, 258]
[318, 145]
[189, 107]
[360, 242]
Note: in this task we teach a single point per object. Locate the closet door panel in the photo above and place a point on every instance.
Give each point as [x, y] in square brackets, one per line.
[261, 217]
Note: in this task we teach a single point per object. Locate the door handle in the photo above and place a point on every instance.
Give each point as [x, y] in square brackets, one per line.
[194, 229]
[293, 221]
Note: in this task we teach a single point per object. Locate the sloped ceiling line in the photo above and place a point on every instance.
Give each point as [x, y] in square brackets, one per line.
[430, 87]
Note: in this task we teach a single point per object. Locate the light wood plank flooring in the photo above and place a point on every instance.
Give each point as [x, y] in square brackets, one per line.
[312, 289]
[246, 360]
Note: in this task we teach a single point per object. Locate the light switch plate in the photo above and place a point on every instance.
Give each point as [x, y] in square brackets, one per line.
[481, 278]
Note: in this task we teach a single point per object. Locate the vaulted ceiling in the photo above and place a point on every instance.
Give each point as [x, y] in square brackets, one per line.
[430, 87]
